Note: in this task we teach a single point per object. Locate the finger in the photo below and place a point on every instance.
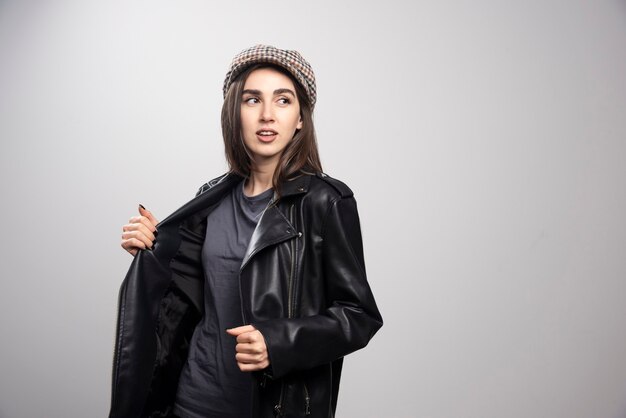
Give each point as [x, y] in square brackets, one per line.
[240, 330]
[138, 236]
[249, 337]
[142, 220]
[250, 358]
[132, 245]
[145, 212]
[140, 227]
[129, 243]
[133, 251]
[248, 367]
[250, 348]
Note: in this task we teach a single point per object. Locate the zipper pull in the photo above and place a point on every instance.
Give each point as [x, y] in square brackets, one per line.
[307, 405]
[278, 410]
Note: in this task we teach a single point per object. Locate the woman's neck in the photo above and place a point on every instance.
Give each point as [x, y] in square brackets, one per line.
[260, 180]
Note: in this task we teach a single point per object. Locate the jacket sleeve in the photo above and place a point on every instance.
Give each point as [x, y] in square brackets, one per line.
[351, 317]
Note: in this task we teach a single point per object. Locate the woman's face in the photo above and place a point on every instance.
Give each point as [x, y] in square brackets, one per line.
[270, 115]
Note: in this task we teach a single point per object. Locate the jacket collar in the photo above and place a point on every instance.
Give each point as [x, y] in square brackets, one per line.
[297, 185]
[222, 185]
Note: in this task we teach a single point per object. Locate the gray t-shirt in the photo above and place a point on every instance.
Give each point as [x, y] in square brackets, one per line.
[211, 385]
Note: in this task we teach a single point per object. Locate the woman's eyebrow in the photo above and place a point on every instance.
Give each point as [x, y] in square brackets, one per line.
[284, 91]
[276, 92]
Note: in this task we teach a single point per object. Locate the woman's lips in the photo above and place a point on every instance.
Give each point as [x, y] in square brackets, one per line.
[266, 135]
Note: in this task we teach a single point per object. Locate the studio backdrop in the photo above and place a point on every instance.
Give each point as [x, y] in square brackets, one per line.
[485, 142]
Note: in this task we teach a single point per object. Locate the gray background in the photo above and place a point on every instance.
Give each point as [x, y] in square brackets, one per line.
[484, 140]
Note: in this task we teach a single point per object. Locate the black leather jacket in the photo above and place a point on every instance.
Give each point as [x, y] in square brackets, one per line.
[303, 286]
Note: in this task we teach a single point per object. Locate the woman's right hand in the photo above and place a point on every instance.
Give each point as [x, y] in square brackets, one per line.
[139, 232]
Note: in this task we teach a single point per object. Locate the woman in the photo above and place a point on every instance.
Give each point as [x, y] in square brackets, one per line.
[248, 297]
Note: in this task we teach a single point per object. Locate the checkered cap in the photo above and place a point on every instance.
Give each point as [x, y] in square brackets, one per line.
[291, 61]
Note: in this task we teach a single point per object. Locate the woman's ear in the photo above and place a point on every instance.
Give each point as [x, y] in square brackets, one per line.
[299, 125]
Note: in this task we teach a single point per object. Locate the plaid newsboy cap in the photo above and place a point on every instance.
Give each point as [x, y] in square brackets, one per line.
[291, 61]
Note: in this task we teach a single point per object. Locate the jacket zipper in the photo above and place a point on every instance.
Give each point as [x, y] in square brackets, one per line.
[292, 293]
[278, 408]
[307, 401]
[294, 248]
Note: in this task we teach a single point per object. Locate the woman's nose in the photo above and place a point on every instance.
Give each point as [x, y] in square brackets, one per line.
[267, 113]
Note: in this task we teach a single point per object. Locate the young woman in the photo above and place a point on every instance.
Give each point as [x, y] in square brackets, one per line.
[244, 301]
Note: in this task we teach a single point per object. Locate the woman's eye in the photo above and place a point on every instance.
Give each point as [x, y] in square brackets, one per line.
[284, 100]
[251, 100]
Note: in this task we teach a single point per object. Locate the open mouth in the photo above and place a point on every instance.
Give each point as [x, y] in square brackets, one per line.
[266, 135]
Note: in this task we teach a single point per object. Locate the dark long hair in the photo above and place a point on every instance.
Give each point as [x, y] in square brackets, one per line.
[299, 156]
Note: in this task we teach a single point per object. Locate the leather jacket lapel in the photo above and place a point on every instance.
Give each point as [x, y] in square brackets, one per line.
[273, 227]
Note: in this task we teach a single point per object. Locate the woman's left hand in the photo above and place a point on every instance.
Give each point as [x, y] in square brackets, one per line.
[251, 349]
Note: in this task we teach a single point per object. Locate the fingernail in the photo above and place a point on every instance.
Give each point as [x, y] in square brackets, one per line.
[142, 206]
